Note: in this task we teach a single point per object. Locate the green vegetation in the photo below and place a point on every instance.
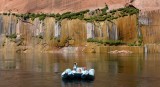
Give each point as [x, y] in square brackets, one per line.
[92, 40]
[140, 41]
[104, 10]
[114, 42]
[137, 43]
[39, 36]
[42, 17]
[5, 13]
[113, 14]
[134, 44]
[57, 39]
[25, 16]
[101, 15]
[12, 36]
[106, 42]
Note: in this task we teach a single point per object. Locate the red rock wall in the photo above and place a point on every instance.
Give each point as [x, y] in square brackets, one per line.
[48, 6]
[151, 30]
[147, 5]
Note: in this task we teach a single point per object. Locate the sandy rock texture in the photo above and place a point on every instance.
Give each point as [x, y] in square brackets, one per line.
[50, 6]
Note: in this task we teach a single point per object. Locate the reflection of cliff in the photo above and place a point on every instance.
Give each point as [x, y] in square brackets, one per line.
[9, 62]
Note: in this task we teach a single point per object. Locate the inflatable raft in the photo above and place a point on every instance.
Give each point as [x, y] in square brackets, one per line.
[79, 73]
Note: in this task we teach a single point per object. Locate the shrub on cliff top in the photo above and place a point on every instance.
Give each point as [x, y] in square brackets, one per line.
[51, 15]
[101, 16]
[104, 10]
[25, 16]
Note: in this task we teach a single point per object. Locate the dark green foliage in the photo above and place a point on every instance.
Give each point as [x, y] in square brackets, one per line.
[114, 18]
[37, 15]
[92, 40]
[113, 42]
[11, 36]
[25, 16]
[88, 19]
[83, 12]
[17, 15]
[42, 16]
[113, 11]
[21, 15]
[57, 15]
[73, 17]
[57, 39]
[81, 17]
[13, 14]
[108, 16]
[32, 16]
[69, 15]
[140, 42]
[39, 36]
[51, 15]
[104, 10]
[132, 44]
[120, 9]
[103, 14]
[3, 44]
[130, 10]
[4, 13]
[100, 16]
[66, 13]
[9, 14]
[109, 42]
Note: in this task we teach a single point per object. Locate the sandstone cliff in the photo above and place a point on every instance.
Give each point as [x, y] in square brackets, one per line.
[48, 6]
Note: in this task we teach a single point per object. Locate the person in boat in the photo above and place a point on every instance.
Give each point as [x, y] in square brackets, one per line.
[85, 71]
[75, 66]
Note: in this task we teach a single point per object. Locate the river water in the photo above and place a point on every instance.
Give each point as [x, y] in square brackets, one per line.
[44, 70]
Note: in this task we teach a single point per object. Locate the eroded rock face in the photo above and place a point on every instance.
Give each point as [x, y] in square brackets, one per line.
[147, 5]
[48, 6]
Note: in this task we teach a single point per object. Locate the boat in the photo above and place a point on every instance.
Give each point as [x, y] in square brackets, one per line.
[78, 73]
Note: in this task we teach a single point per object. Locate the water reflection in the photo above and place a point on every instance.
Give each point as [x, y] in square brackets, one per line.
[43, 70]
[77, 83]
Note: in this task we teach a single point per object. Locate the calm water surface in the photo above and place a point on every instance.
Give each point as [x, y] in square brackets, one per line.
[44, 70]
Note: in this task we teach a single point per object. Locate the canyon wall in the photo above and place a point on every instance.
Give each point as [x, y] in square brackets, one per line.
[48, 33]
[150, 26]
[50, 6]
